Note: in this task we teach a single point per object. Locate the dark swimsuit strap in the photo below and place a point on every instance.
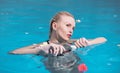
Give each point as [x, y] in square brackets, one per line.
[48, 42]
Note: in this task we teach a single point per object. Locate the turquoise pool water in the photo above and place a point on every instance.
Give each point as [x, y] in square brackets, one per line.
[25, 22]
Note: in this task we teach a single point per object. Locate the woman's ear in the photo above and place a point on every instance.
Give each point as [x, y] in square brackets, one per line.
[54, 25]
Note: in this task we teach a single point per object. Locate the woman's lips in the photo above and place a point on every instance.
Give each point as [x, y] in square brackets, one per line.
[69, 35]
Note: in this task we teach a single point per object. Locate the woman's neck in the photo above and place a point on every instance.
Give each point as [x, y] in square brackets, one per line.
[55, 40]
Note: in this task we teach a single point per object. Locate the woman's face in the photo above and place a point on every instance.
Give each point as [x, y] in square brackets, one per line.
[65, 27]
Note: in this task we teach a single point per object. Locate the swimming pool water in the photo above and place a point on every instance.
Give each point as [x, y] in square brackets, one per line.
[25, 22]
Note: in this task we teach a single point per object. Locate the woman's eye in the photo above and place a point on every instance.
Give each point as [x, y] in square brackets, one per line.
[68, 25]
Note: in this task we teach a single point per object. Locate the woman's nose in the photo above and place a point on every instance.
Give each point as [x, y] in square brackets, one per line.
[71, 30]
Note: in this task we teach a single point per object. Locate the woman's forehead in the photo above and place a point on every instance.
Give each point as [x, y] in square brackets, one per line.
[66, 18]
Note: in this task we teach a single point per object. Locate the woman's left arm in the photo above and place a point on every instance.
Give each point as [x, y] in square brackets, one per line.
[83, 42]
[97, 40]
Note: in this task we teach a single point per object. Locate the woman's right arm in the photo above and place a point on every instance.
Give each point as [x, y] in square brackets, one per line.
[41, 49]
[33, 49]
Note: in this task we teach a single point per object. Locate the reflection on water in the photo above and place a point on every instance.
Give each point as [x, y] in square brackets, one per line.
[65, 63]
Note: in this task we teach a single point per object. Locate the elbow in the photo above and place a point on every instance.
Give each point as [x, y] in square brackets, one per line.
[12, 52]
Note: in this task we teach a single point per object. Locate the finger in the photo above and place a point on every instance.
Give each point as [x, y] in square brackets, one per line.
[57, 51]
[78, 45]
[51, 50]
[85, 41]
[61, 49]
[82, 42]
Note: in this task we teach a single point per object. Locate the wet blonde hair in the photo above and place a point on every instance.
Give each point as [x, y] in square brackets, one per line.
[57, 18]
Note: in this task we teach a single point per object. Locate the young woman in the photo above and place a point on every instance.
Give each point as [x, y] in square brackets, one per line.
[57, 49]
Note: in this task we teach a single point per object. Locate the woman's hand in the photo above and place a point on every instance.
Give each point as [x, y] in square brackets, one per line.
[82, 42]
[56, 49]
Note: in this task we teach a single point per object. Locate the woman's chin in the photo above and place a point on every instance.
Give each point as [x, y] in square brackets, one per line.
[67, 39]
